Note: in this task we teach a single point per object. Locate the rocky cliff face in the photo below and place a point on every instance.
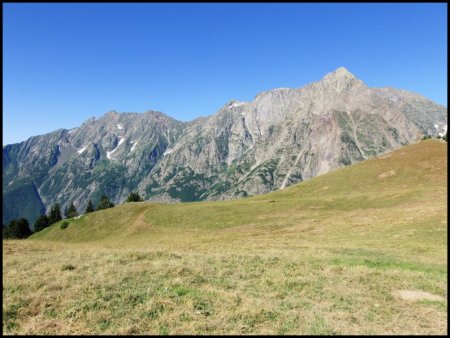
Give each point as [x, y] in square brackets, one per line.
[288, 135]
[280, 138]
[110, 155]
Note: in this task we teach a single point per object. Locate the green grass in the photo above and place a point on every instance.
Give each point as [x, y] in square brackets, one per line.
[320, 257]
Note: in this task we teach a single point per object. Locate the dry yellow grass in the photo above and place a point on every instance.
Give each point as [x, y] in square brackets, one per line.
[323, 257]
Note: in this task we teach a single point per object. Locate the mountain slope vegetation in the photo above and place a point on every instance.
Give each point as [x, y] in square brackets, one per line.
[375, 190]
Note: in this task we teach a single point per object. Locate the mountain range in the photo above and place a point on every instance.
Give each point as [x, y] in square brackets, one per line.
[282, 137]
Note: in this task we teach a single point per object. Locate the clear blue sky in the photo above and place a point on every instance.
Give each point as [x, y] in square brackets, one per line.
[64, 63]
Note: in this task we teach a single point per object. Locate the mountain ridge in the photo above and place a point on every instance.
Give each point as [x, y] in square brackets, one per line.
[281, 137]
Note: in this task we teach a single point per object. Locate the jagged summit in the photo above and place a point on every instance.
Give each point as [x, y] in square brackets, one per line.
[338, 74]
[341, 79]
[111, 113]
[343, 71]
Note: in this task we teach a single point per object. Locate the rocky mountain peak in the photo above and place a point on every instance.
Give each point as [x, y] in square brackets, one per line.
[110, 115]
[341, 72]
[340, 79]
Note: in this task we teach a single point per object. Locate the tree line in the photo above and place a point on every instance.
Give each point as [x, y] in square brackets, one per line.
[20, 228]
[439, 137]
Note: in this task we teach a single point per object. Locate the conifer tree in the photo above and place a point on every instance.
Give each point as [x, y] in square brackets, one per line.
[17, 228]
[134, 197]
[41, 223]
[71, 211]
[104, 203]
[55, 214]
[90, 207]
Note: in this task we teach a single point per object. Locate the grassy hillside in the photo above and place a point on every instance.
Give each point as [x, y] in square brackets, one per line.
[325, 256]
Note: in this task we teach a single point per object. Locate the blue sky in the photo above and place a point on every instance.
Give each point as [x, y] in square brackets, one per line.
[64, 63]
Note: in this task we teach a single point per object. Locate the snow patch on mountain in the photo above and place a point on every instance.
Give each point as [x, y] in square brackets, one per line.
[236, 104]
[81, 150]
[109, 153]
[134, 145]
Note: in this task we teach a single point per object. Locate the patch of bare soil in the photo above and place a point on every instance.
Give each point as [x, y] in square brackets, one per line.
[140, 222]
[387, 174]
[416, 295]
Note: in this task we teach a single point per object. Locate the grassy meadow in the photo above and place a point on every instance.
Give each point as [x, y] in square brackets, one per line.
[326, 256]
